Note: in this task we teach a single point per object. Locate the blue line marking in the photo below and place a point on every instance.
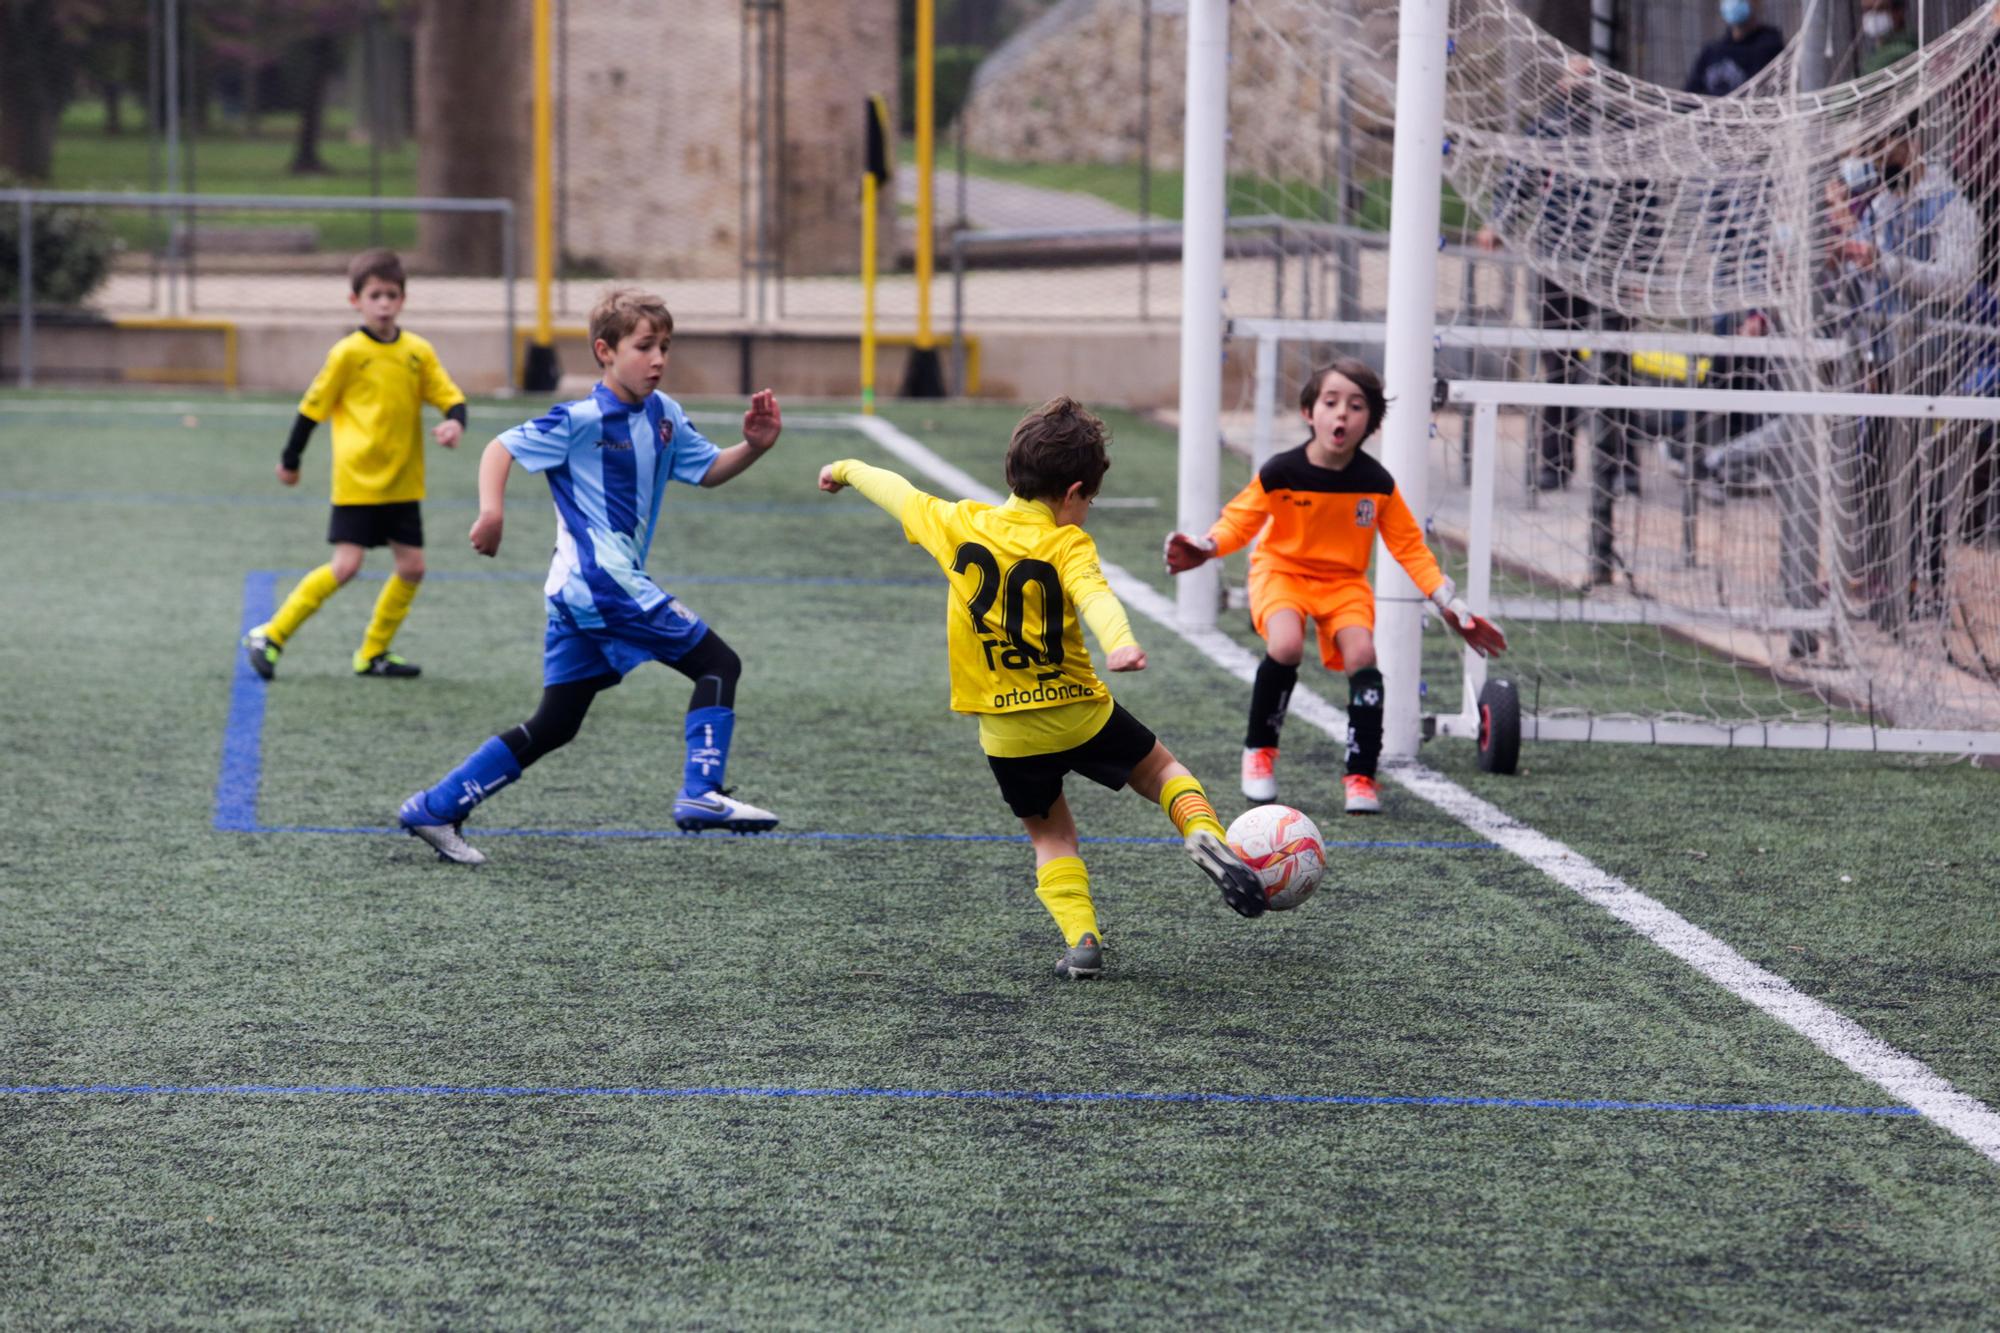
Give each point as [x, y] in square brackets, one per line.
[936, 1094]
[242, 769]
[241, 773]
[802, 836]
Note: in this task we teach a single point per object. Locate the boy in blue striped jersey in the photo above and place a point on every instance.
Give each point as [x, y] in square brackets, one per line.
[608, 459]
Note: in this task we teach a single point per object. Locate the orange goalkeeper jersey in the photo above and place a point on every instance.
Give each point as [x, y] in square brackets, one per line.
[1319, 523]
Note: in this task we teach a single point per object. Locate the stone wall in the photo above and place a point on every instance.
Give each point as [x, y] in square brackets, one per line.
[1068, 89]
[654, 140]
[658, 148]
[836, 55]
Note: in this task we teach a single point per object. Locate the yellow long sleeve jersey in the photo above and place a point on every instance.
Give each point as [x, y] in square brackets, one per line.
[1021, 589]
[375, 392]
[1319, 523]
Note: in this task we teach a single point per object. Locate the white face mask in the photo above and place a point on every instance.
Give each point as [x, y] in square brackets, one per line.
[1877, 24]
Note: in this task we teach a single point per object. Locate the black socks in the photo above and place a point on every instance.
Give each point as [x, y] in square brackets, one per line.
[1364, 721]
[1270, 696]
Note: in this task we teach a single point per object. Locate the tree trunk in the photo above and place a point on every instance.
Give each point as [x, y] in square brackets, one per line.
[114, 107]
[472, 129]
[320, 53]
[253, 95]
[34, 83]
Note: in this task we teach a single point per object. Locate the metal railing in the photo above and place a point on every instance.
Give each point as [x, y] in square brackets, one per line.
[26, 201]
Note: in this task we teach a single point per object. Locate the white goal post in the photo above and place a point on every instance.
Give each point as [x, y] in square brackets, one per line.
[1773, 318]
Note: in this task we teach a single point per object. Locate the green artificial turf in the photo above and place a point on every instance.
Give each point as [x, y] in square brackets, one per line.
[144, 945]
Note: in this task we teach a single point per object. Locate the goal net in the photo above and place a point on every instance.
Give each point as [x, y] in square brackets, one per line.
[1735, 361]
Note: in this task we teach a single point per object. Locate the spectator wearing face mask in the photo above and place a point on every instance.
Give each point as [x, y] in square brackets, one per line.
[1885, 33]
[1913, 256]
[1733, 59]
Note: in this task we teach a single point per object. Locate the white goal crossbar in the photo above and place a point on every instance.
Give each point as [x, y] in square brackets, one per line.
[1271, 333]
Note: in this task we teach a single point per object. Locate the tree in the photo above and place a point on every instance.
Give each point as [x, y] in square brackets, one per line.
[113, 58]
[309, 35]
[472, 127]
[40, 41]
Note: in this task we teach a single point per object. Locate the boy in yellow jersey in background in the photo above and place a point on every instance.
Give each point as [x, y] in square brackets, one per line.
[374, 385]
[1024, 580]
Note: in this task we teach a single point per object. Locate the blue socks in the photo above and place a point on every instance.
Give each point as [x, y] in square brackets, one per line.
[485, 771]
[708, 731]
[492, 766]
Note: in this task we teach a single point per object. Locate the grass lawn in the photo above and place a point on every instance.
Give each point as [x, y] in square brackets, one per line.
[1124, 184]
[230, 160]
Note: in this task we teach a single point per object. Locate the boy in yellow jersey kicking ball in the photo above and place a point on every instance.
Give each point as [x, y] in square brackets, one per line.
[374, 385]
[1024, 581]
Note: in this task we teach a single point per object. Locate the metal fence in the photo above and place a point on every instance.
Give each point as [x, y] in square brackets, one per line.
[166, 295]
[1058, 185]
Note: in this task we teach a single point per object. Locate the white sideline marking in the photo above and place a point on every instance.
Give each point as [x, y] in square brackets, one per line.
[1904, 1077]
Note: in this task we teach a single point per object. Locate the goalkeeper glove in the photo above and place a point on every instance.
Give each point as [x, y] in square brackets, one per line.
[1482, 636]
[1183, 552]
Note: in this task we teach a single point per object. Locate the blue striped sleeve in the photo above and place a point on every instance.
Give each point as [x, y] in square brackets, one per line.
[543, 443]
[690, 453]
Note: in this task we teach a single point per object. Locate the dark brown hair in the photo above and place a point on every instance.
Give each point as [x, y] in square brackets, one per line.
[381, 264]
[1363, 378]
[1054, 447]
[622, 310]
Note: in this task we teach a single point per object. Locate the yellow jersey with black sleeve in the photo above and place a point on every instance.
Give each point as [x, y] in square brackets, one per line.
[1022, 587]
[375, 393]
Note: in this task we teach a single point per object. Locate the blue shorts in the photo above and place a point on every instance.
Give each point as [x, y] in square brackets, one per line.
[578, 652]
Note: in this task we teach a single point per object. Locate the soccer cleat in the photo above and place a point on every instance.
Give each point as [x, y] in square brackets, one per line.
[720, 810]
[1363, 796]
[1260, 773]
[444, 839]
[385, 664]
[1082, 961]
[1241, 888]
[261, 653]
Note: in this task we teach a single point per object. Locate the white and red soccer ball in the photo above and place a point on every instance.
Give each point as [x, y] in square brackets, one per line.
[1284, 848]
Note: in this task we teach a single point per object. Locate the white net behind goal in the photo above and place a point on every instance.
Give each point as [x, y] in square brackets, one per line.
[1826, 555]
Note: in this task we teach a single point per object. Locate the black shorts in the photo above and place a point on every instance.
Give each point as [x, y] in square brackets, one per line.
[1031, 784]
[377, 525]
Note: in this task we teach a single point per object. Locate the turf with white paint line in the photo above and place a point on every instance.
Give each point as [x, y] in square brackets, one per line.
[1901, 1075]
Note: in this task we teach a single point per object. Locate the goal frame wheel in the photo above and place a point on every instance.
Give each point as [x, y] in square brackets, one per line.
[1499, 727]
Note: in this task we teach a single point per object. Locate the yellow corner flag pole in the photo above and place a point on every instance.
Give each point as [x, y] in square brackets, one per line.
[925, 377]
[875, 171]
[926, 160]
[539, 374]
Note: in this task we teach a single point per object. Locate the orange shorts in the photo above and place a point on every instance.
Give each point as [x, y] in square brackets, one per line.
[1331, 606]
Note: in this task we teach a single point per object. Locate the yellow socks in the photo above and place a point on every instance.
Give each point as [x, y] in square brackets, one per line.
[313, 589]
[1063, 885]
[390, 608]
[1187, 805]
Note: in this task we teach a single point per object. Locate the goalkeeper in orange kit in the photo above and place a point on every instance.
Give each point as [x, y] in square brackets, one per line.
[1318, 508]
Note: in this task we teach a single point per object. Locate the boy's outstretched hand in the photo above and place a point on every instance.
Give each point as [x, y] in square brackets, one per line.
[1184, 552]
[486, 533]
[448, 433]
[826, 481]
[1482, 636]
[1129, 658]
[762, 424]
